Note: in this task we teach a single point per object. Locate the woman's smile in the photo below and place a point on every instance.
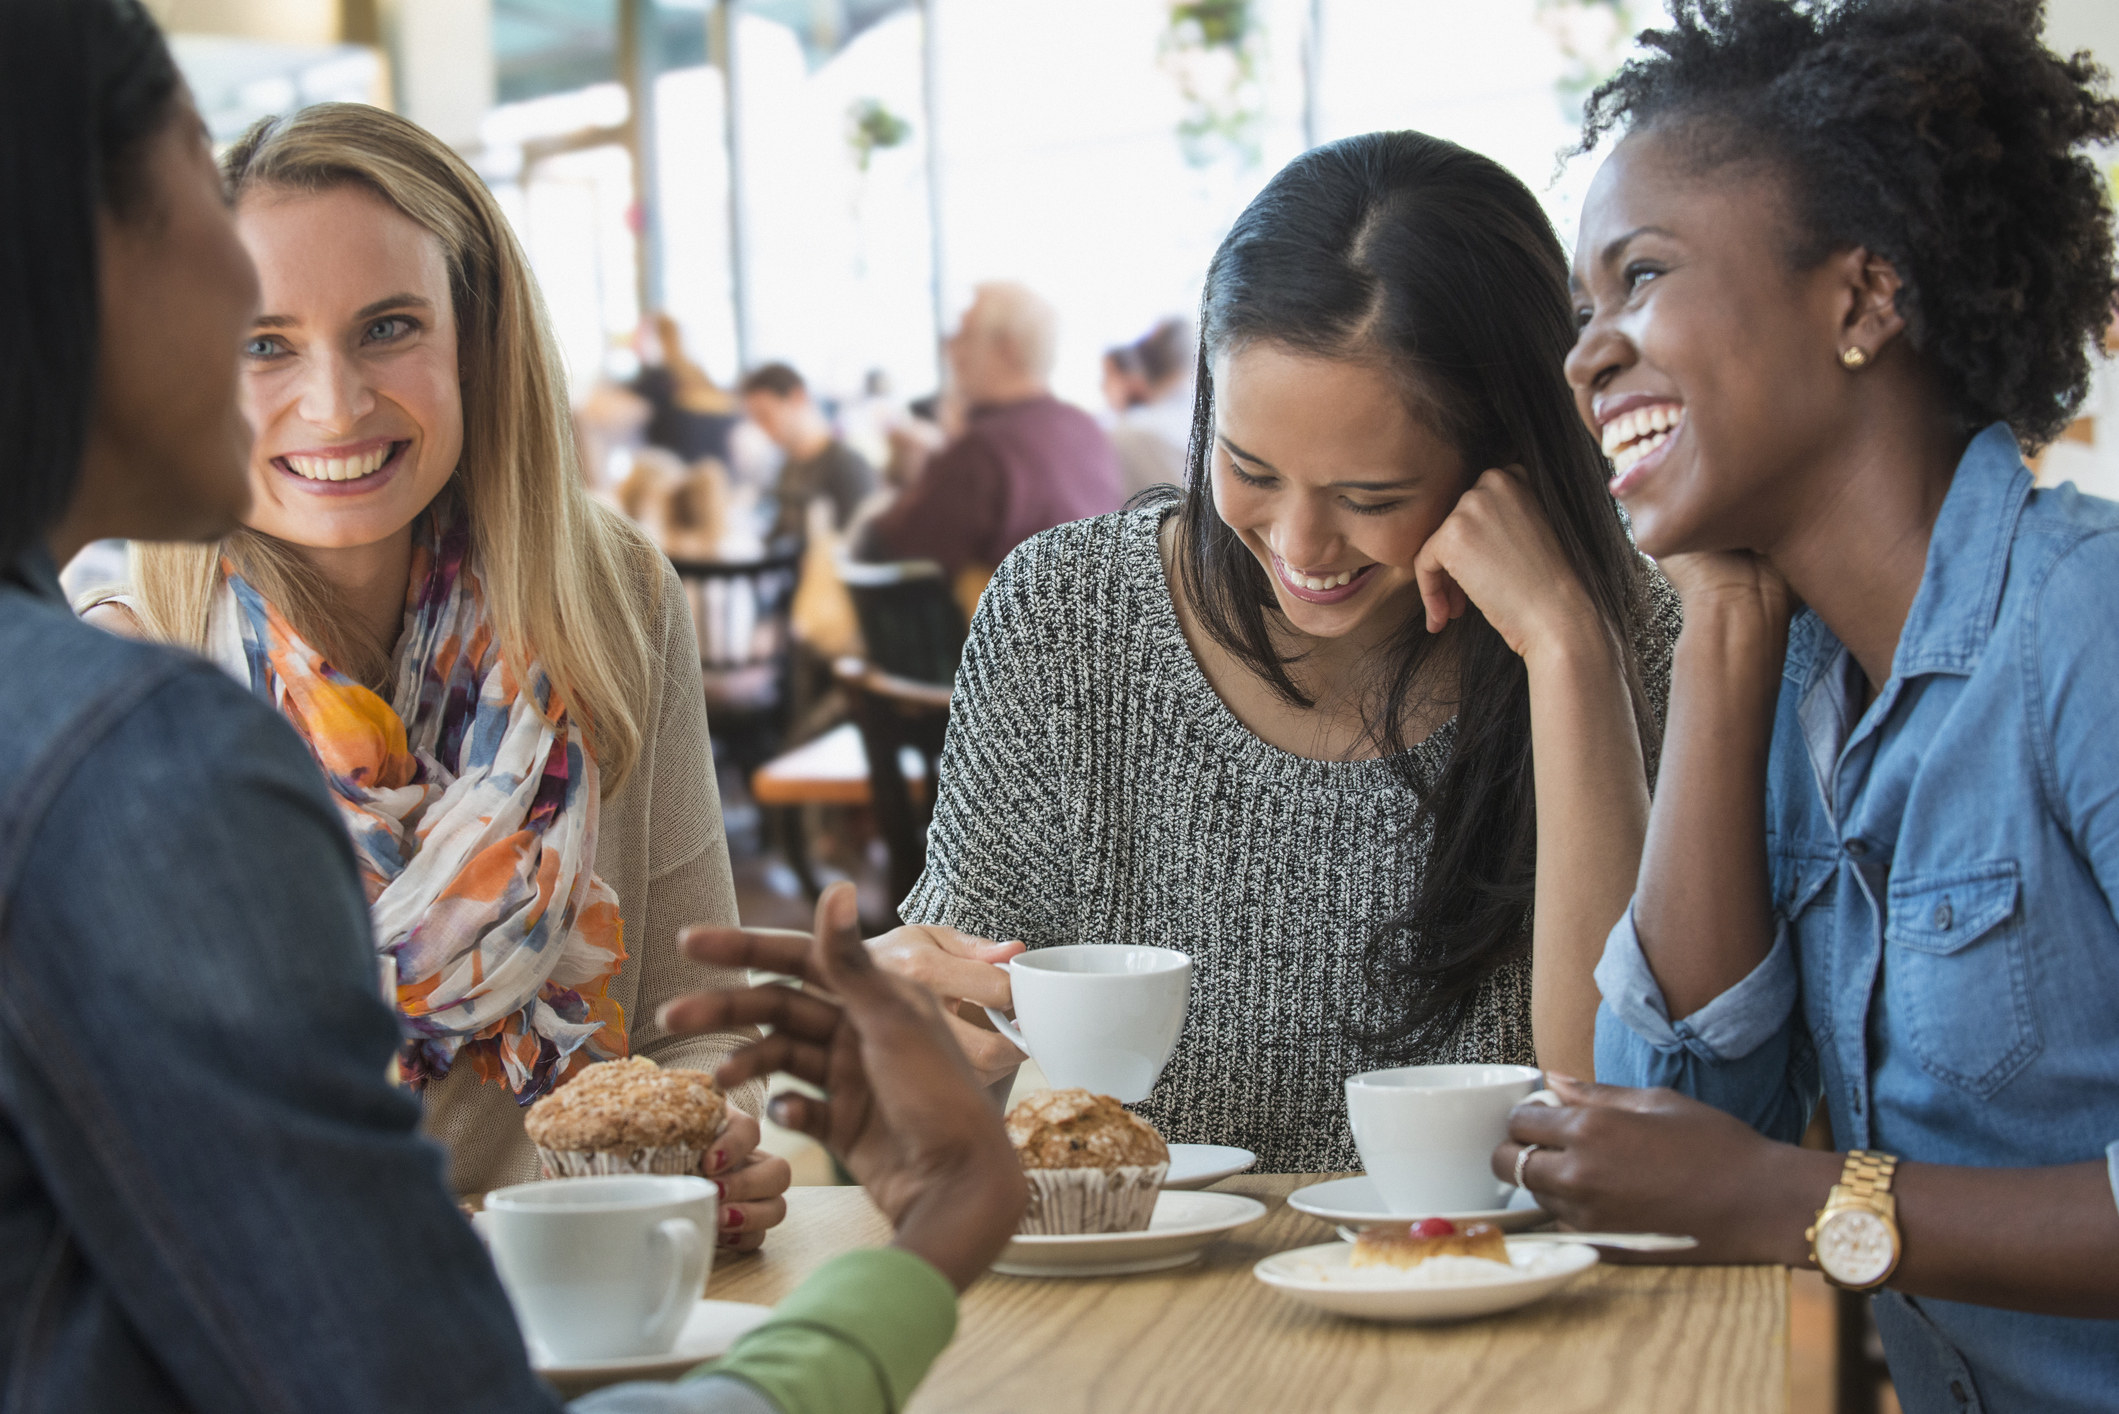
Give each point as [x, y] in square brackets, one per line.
[1322, 586]
[1637, 430]
[350, 470]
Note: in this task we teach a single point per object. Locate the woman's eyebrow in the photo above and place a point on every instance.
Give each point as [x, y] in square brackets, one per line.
[1394, 484]
[390, 302]
[1612, 248]
[366, 311]
[1241, 454]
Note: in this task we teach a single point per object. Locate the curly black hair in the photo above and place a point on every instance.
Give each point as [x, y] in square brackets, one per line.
[1942, 135]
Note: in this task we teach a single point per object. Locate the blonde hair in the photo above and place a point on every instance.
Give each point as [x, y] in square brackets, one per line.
[563, 576]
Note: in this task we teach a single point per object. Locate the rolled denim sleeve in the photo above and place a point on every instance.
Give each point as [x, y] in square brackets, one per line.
[1742, 1052]
[1730, 1027]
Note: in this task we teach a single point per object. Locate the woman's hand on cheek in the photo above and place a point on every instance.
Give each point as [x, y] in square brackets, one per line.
[1612, 1159]
[1730, 581]
[753, 1183]
[1497, 551]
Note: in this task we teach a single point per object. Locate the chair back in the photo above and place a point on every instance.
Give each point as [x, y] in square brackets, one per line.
[897, 715]
[742, 612]
[910, 620]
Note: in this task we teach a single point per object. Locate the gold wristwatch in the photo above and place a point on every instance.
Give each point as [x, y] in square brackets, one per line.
[1855, 1238]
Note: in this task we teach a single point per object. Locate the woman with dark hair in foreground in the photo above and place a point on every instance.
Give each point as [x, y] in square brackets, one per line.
[1851, 257]
[213, 1198]
[1285, 720]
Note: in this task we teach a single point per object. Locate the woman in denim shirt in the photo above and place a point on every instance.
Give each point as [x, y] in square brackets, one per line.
[1846, 259]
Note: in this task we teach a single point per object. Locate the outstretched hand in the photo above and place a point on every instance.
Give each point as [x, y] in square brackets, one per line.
[901, 1107]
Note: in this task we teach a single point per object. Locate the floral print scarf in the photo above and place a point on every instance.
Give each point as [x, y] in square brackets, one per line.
[472, 804]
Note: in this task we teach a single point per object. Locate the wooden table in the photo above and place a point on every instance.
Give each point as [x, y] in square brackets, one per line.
[1210, 1337]
[830, 770]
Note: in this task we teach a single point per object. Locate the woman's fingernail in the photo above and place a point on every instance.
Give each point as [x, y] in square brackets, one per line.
[718, 1162]
[731, 1217]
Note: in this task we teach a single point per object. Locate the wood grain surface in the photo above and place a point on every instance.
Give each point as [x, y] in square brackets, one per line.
[1212, 1337]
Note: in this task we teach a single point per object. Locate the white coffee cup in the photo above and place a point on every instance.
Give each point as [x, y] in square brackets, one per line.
[1427, 1133]
[1101, 1016]
[602, 1268]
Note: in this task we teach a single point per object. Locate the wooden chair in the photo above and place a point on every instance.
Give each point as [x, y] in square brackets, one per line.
[742, 612]
[898, 718]
[911, 622]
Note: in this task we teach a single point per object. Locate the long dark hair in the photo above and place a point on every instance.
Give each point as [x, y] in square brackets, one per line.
[83, 85]
[1406, 249]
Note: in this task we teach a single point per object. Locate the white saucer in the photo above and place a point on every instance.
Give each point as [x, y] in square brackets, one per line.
[1184, 1225]
[1197, 1165]
[1319, 1276]
[1355, 1202]
[709, 1331]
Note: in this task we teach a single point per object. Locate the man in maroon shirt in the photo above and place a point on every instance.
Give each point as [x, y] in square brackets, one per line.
[1025, 461]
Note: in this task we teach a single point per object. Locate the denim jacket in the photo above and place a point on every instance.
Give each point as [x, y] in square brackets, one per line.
[1944, 867]
[210, 1196]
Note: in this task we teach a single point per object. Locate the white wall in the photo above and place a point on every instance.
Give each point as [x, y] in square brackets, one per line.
[2091, 25]
[442, 57]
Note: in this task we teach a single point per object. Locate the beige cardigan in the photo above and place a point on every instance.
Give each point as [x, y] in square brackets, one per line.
[660, 846]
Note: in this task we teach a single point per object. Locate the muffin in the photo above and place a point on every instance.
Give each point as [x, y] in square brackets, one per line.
[627, 1116]
[1092, 1165]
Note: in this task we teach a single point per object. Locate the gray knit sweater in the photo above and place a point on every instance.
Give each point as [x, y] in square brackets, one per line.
[1095, 789]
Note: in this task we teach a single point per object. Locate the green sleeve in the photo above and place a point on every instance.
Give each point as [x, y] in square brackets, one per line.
[856, 1338]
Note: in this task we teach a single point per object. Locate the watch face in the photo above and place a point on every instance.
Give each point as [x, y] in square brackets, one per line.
[1855, 1247]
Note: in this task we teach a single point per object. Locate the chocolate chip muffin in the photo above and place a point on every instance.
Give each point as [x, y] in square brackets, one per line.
[1092, 1164]
[627, 1116]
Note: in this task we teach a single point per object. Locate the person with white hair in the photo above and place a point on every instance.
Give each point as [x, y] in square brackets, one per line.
[1025, 461]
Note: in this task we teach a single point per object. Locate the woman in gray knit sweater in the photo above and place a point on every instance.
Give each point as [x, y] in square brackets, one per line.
[1286, 721]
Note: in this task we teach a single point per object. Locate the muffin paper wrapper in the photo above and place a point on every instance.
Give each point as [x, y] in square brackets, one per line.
[595, 1163]
[1091, 1200]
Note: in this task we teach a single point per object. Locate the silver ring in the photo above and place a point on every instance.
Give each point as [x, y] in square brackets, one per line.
[1524, 1158]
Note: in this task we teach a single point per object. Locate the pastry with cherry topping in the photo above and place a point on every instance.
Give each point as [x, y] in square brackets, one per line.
[1407, 1246]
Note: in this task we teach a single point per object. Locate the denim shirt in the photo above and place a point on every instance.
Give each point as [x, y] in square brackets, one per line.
[1944, 867]
[210, 1196]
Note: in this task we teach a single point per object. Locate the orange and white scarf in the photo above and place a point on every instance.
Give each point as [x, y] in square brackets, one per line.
[472, 804]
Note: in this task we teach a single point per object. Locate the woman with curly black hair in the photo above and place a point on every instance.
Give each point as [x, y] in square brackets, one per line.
[1846, 263]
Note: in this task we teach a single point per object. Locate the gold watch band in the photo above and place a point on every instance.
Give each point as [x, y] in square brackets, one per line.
[1868, 1174]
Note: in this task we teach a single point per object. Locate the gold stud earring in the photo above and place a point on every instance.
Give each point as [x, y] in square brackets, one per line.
[1854, 357]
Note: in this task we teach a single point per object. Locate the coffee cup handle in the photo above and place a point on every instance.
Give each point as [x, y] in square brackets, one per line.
[1544, 1097]
[689, 1254]
[1006, 1026]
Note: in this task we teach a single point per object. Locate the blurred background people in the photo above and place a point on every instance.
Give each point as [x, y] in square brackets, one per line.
[819, 465]
[1025, 461]
[1149, 385]
[688, 413]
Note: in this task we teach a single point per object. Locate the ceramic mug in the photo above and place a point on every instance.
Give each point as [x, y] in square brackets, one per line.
[1101, 1016]
[603, 1268]
[1427, 1133]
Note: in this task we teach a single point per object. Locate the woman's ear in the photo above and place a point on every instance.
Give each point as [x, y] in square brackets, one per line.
[1872, 317]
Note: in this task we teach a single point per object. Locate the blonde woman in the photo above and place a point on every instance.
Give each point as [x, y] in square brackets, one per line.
[498, 676]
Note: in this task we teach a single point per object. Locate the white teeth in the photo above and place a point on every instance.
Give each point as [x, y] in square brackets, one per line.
[1629, 438]
[1320, 584]
[339, 468]
[1627, 457]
